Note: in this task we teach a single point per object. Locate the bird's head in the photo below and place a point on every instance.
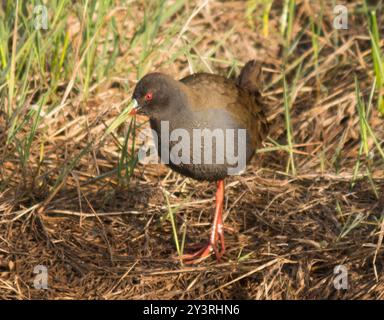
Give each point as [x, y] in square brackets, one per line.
[156, 94]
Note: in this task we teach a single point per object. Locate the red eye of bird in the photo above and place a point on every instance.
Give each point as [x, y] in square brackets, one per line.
[149, 96]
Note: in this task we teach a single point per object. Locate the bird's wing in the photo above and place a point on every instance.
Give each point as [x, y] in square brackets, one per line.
[214, 91]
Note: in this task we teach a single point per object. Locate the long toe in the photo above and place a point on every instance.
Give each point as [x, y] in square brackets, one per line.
[198, 256]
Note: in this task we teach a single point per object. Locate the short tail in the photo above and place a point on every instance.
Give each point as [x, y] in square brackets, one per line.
[250, 77]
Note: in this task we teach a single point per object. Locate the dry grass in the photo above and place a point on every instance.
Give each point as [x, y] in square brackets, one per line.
[106, 237]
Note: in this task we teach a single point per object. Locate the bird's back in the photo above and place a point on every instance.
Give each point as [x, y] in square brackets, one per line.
[240, 100]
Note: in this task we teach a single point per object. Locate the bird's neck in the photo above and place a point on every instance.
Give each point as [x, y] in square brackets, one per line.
[175, 116]
[178, 106]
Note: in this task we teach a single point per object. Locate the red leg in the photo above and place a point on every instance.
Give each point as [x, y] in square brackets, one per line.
[220, 231]
[217, 232]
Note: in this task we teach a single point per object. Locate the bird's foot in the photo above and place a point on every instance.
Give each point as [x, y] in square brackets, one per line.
[217, 233]
[202, 254]
[198, 256]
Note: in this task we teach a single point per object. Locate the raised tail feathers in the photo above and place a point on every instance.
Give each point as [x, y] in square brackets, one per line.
[250, 77]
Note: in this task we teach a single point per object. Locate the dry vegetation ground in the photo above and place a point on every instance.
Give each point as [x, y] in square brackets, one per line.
[105, 235]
